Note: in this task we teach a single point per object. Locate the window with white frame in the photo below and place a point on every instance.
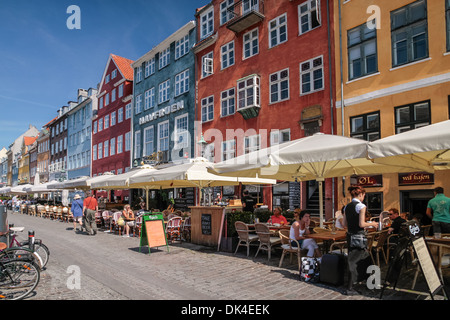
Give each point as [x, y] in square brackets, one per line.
[106, 99]
[228, 149]
[412, 116]
[207, 23]
[252, 143]
[137, 144]
[164, 58]
[139, 74]
[227, 55]
[308, 16]
[120, 115]
[95, 127]
[128, 111]
[100, 150]
[251, 44]
[279, 86]
[311, 75]
[107, 78]
[107, 121]
[121, 91]
[114, 74]
[208, 109]
[113, 118]
[280, 136]
[149, 98]
[248, 91]
[226, 11]
[362, 51]
[112, 144]
[120, 144]
[100, 103]
[163, 136]
[138, 104]
[113, 95]
[94, 152]
[150, 67]
[106, 149]
[228, 102]
[100, 124]
[207, 64]
[181, 134]
[278, 31]
[182, 47]
[163, 93]
[148, 141]
[249, 5]
[182, 82]
[127, 141]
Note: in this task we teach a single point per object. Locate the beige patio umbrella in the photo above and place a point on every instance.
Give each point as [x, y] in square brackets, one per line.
[315, 157]
[427, 148]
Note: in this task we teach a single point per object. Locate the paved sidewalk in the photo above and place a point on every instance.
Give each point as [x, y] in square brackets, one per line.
[112, 268]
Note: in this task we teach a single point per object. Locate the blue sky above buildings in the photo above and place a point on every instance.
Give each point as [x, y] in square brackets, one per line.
[43, 63]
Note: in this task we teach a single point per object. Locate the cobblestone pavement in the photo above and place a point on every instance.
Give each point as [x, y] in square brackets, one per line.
[112, 268]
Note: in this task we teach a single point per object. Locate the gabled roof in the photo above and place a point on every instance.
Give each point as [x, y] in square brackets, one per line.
[122, 64]
[28, 141]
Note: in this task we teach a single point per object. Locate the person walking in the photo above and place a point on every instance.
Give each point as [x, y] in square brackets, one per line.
[77, 212]
[90, 207]
[438, 209]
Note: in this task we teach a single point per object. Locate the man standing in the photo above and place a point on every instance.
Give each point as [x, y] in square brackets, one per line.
[438, 210]
[90, 207]
[248, 202]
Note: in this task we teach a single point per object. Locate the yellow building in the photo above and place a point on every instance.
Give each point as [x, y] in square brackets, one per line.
[24, 160]
[392, 75]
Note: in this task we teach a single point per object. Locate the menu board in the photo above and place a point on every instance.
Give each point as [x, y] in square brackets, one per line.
[428, 269]
[294, 195]
[153, 233]
[206, 224]
[190, 197]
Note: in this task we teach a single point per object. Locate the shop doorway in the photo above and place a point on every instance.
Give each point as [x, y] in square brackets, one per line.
[415, 202]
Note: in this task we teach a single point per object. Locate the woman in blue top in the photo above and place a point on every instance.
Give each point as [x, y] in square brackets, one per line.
[77, 211]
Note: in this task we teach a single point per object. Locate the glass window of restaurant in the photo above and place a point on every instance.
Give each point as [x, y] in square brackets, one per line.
[280, 194]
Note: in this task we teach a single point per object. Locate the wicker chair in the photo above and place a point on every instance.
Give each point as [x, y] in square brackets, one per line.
[266, 240]
[245, 237]
[286, 245]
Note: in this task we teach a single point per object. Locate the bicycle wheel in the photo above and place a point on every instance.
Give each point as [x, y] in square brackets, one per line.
[18, 278]
[21, 253]
[41, 249]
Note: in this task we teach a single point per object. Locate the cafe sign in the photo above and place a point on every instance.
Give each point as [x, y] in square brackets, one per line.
[370, 181]
[415, 178]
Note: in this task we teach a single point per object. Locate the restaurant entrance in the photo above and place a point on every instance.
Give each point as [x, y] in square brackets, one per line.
[415, 202]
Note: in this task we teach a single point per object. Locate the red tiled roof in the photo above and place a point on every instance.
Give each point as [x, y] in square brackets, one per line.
[29, 140]
[124, 65]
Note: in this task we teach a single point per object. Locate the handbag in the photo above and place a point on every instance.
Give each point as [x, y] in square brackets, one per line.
[309, 269]
[120, 222]
[358, 241]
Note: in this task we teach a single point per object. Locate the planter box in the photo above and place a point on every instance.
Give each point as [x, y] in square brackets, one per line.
[229, 244]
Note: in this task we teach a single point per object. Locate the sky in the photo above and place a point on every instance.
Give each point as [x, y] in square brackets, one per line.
[43, 63]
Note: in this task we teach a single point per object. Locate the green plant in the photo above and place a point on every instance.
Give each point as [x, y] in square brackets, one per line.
[232, 217]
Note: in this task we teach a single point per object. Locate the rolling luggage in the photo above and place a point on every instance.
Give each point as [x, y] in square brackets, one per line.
[332, 269]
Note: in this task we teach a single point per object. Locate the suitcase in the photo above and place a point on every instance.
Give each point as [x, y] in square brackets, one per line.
[332, 269]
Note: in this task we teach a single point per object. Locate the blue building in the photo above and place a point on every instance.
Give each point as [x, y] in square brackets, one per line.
[79, 134]
[164, 100]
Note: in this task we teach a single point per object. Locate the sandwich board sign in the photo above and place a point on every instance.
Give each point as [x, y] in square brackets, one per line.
[153, 232]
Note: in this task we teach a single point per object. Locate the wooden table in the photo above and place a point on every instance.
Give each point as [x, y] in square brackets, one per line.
[271, 226]
[327, 237]
[444, 240]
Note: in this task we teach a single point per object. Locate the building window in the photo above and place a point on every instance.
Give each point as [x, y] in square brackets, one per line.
[409, 33]
[107, 79]
[150, 67]
[249, 5]
[100, 124]
[120, 115]
[227, 55]
[366, 126]
[107, 121]
[137, 144]
[163, 136]
[164, 58]
[226, 11]
[148, 141]
[100, 150]
[106, 99]
[412, 116]
[248, 92]
[128, 111]
[308, 15]
[113, 95]
[163, 94]
[182, 82]
[311, 75]
[113, 146]
[114, 74]
[207, 65]
[279, 86]
[251, 44]
[100, 103]
[228, 102]
[228, 150]
[280, 136]
[113, 118]
[181, 134]
[252, 143]
[207, 23]
[106, 149]
[119, 144]
[94, 127]
[447, 14]
[277, 31]
[139, 74]
[94, 152]
[362, 51]
[182, 47]
[127, 141]
[138, 104]
[149, 99]
[208, 109]
[121, 91]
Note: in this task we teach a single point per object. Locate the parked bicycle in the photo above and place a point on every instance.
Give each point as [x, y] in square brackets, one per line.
[38, 247]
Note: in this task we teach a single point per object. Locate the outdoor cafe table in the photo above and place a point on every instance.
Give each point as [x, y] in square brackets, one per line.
[328, 237]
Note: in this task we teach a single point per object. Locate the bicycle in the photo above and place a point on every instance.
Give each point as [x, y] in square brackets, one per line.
[39, 248]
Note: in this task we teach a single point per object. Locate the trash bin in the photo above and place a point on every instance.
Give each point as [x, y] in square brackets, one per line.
[3, 223]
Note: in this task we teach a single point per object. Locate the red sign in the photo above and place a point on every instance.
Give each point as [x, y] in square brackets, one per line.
[370, 181]
[413, 178]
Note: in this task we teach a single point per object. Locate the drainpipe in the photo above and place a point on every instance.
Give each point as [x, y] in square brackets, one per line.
[342, 82]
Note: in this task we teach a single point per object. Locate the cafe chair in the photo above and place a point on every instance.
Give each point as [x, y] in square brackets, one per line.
[245, 237]
[266, 240]
[138, 227]
[286, 245]
[115, 226]
[339, 247]
[173, 229]
[377, 245]
[187, 229]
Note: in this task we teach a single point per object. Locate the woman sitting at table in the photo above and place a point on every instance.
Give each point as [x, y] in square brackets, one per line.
[300, 228]
[277, 217]
[129, 218]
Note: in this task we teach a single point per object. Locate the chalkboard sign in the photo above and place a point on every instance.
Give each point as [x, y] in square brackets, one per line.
[190, 197]
[153, 233]
[294, 195]
[206, 224]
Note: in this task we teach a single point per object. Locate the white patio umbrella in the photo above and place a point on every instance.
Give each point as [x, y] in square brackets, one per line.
[19, 190]
[315, 157]
[120, 181]
[4, 190]
[78, 183]
[41, 188]
[427, 148]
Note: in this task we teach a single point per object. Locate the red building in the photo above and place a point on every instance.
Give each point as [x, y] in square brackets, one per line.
[264, 72]
[111, 125]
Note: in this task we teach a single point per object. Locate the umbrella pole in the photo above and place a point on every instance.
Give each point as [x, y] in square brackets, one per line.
[146, 198]
[321, 201]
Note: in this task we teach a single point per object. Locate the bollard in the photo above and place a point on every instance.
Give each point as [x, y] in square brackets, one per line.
[31, 240]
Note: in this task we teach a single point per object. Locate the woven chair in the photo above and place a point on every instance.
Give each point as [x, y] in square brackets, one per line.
[286, 245]
[266, 240]
[245, 237]
[377, 245]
